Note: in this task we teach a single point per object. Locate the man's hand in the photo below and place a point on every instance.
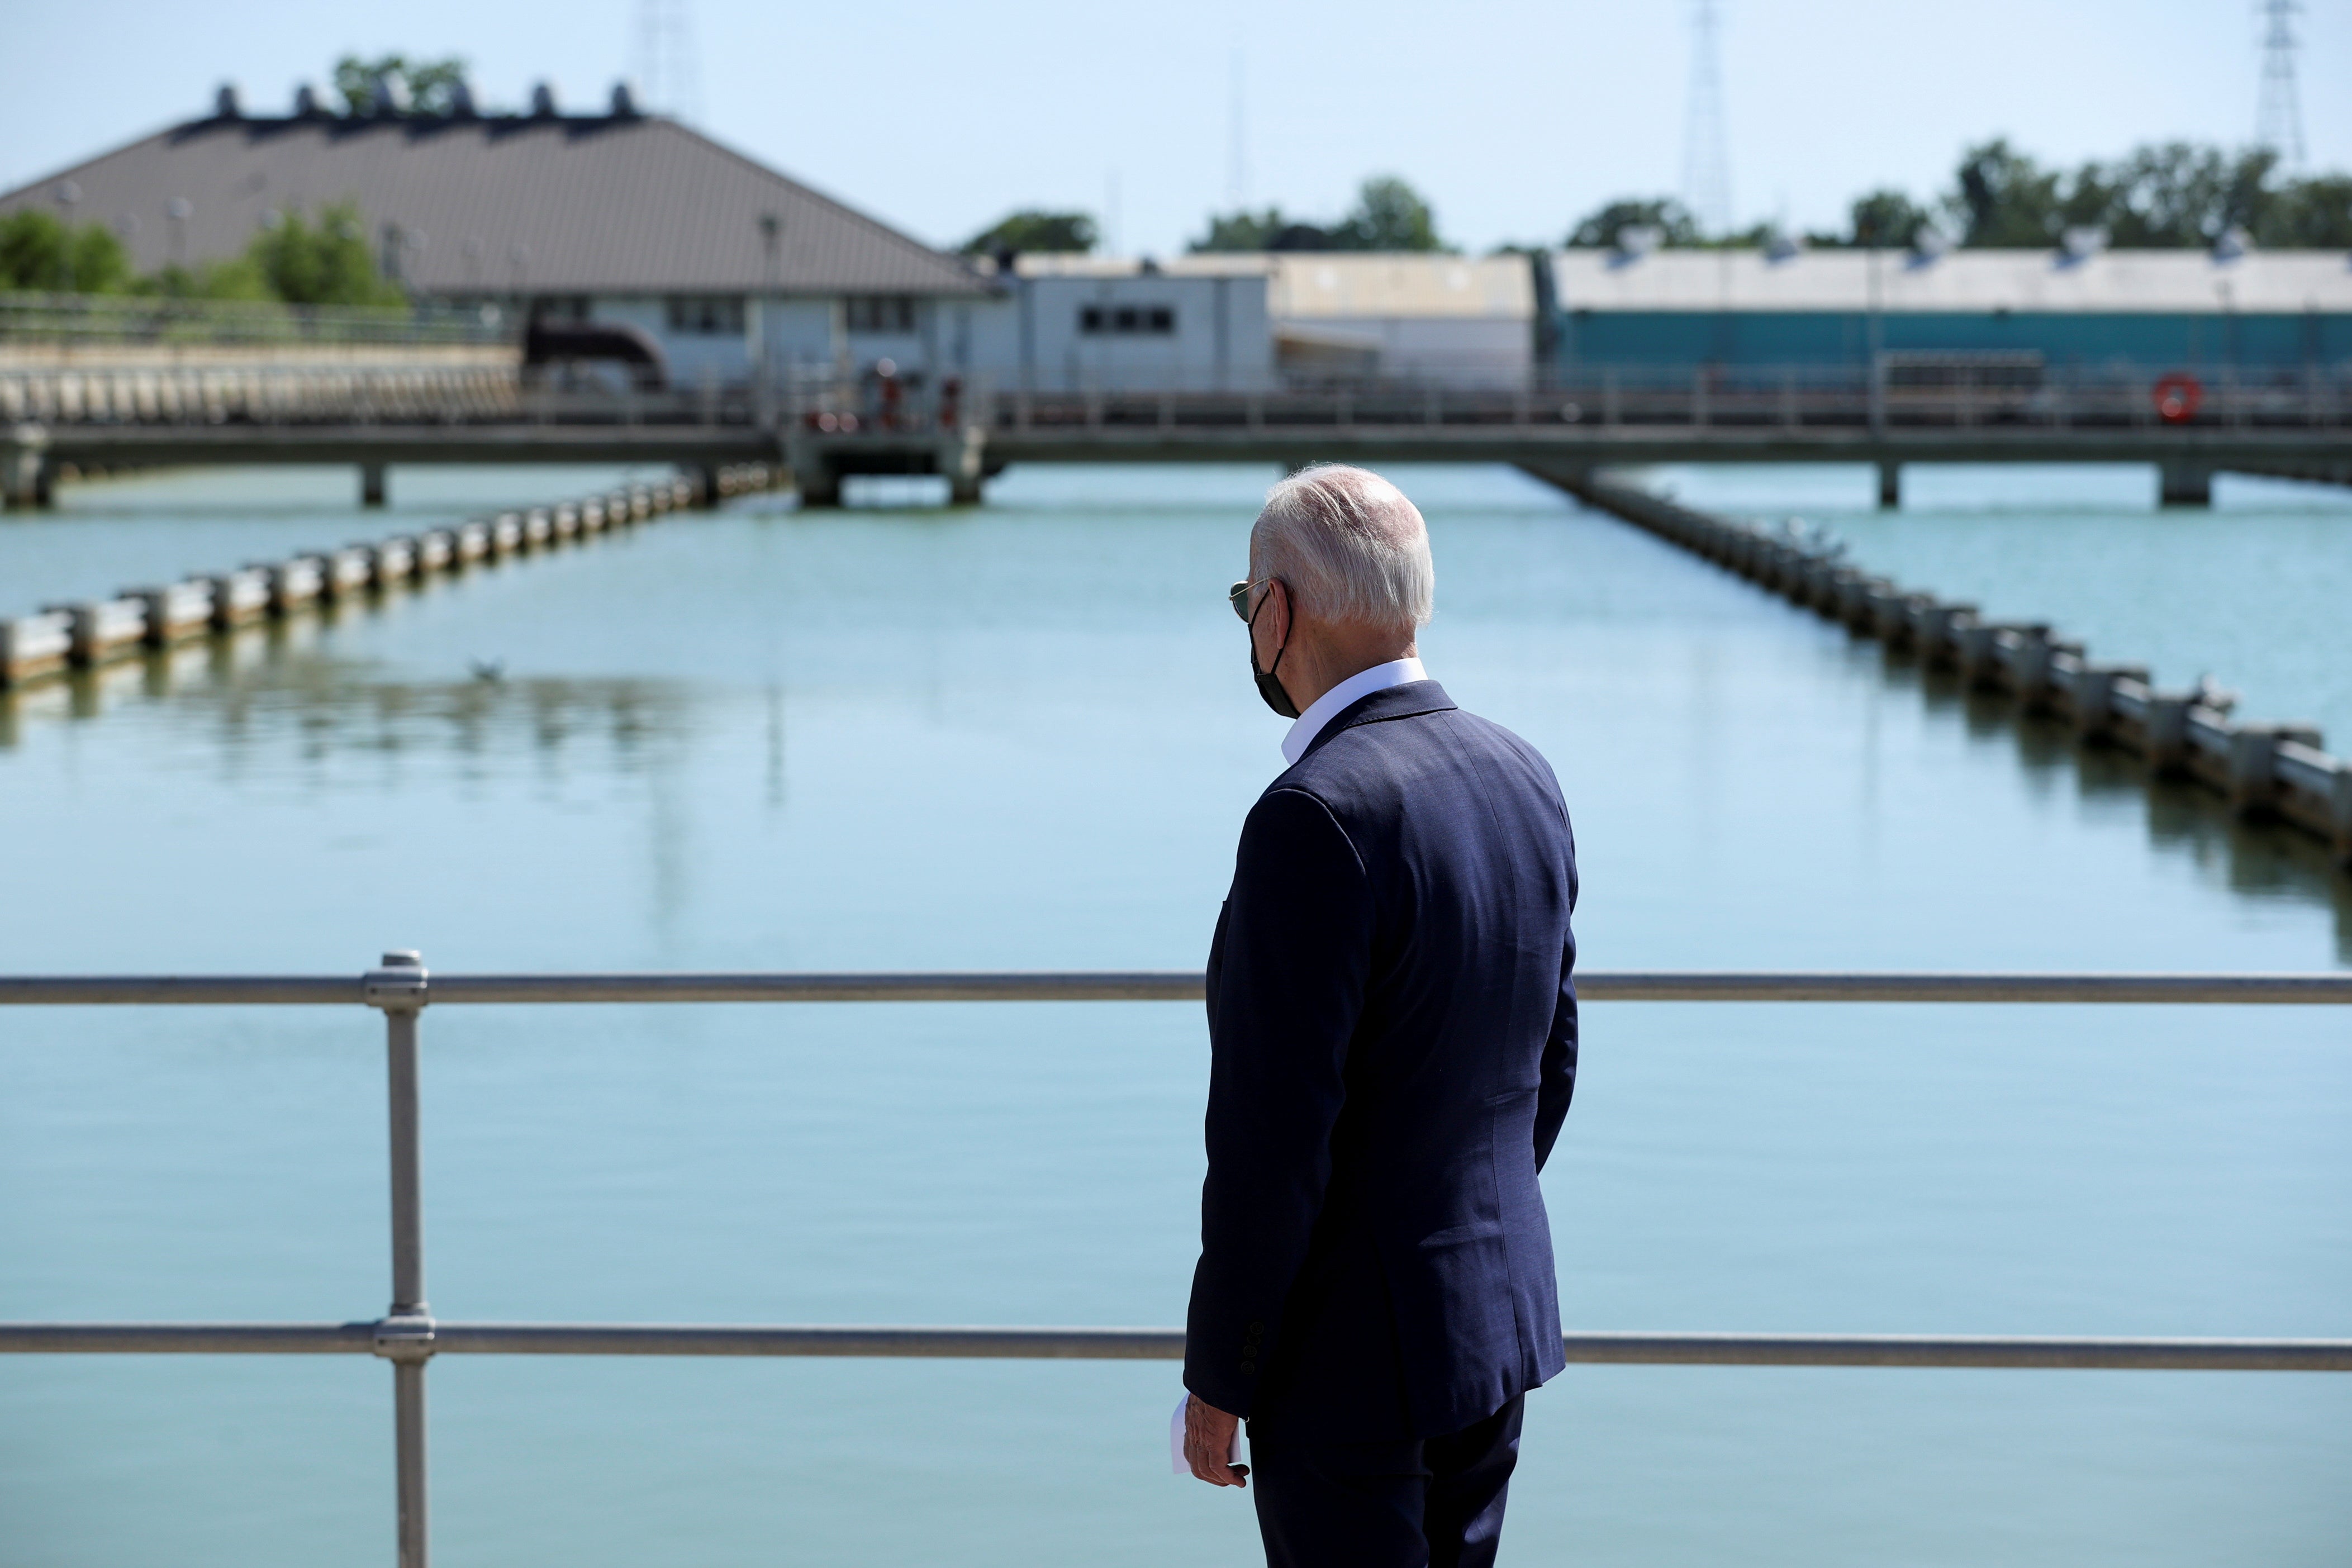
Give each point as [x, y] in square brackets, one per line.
[1209, 1443]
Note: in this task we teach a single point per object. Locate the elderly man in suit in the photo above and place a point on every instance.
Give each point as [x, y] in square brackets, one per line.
[1392, 1025]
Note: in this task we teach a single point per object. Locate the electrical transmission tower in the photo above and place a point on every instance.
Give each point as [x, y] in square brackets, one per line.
[2278, 122]
[1706, 160]
[669, 69]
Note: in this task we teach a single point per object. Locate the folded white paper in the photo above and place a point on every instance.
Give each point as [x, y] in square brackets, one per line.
[1176, 1440]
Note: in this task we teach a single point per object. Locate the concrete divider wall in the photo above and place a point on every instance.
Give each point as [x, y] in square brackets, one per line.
[2267, 770]
[81, 636]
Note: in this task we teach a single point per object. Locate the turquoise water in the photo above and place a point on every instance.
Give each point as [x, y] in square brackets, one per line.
[2251, 590]
[1021, 737]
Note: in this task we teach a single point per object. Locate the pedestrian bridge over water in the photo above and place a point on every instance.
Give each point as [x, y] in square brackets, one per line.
[65, 425]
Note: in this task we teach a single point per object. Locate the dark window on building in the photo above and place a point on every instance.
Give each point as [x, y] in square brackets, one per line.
[881, 313]
[707, 315]
[1127, 320]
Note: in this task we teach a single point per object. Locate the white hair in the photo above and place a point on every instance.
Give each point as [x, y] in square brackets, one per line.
[1350, 545]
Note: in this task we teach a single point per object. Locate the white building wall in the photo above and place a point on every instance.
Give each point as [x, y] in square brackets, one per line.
[1037, 336]
[1458, 351]
[802, 336]
[695, 358]
[1448, 319]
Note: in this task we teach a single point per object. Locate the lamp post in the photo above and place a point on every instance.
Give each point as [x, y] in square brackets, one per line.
[69, 196]
[772, 230]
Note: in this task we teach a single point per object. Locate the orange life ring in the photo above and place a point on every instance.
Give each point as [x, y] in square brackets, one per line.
[2177, 397]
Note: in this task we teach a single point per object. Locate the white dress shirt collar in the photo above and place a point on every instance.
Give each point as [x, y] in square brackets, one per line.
[1324, 708]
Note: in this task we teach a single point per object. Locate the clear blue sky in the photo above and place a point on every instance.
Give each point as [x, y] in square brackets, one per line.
[1514, 116]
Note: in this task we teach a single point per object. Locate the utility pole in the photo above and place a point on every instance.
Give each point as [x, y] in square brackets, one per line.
[1706, 160]
[1237, 167]
[2278, 121]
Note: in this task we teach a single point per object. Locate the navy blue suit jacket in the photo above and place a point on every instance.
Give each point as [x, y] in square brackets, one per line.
[1393, 1023]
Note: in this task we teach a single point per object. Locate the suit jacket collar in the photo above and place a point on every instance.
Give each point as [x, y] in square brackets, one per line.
[1414, 697]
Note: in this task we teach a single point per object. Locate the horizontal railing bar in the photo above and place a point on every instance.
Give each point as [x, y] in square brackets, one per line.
[1139, 985]
[1800, 987]
[184, 1339]
[1154, 985]
[724, 1339]
[180, 990]
[1624, 1349]
[2148, 1354]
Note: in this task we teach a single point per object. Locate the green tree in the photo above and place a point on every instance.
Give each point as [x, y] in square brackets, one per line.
[2169, 195]
[2313, 214]
[236, 279]
[1268, 230]
[323, 263]
[1886, 218]
[1034, 229]
[1599, 228]
[38, 250]
[1243, 230]
[1389, 214]
[2005, 198]
[428, 87]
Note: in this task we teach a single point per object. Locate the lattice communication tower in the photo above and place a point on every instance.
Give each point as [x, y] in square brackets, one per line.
[1707, 158]
[2278, 122]
[669, 66]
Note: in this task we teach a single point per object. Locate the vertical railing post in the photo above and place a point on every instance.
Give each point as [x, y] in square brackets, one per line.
[404, 1336]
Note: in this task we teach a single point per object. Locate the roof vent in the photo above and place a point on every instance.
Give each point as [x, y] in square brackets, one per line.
[461, 99]
[624, 103]
[2083, 242]
[1930, 243]
[306, 101]
[1638, 239]
[1781, 246]
[2232, 243]
[387, 95]
[224, 104]
[542, 99]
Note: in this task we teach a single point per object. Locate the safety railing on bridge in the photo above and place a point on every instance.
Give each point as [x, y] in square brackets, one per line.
[885, 401]
[150, 320]
[414, 392]
[409, 1336]
[1907, 393]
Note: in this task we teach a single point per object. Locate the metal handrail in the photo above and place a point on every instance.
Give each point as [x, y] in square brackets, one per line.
[1156, 985]
[967, 1342]
[409, 1336]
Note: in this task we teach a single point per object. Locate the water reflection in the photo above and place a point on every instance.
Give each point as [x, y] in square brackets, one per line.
[2253, 857]
[277, 683]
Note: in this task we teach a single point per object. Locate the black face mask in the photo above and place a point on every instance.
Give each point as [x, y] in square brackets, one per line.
[1267, 686]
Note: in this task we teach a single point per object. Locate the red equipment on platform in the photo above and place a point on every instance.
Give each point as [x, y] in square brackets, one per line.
[2177, 397]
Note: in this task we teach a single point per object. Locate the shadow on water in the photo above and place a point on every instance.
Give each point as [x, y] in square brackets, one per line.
[2252, 856]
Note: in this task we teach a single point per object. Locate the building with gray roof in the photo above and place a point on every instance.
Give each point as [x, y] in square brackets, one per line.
[617, 217]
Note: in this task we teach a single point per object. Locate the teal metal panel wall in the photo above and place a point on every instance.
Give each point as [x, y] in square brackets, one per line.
[1735, 338]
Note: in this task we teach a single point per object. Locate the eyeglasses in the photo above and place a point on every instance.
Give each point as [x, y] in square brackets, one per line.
[1238, 595]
